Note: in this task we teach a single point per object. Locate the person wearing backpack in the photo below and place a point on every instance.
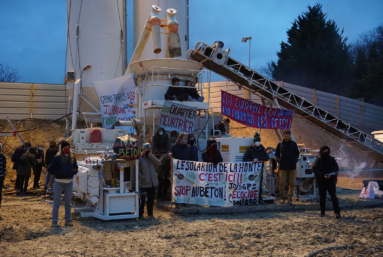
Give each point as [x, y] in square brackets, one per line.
[16, 161]
[64, 167]
[3, 170]
[26, 162]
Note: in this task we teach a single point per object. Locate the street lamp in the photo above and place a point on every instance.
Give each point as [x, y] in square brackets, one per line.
[244, 40]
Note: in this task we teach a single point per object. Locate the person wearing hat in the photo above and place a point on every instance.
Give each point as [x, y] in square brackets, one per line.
[16, 161]
[326, 170]
[64, 167]
[3, 170]
[287, 154]
[176, 92]
[256, 152]
[212, 154]
[39, 165]
[148, 179]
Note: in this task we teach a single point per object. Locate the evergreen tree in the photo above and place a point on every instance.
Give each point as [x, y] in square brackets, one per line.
[316, 55]
[368, 66]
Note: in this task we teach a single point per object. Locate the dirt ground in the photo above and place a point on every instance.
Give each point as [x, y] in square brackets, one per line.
[25, 231]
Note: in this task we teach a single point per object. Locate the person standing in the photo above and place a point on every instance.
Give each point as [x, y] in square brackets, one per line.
[148, 179]
[212, 154]
[49, 154]
[326, 170]
[181, 150]
[3, 170]
[39, 166]
[16, 162]
[226, 123]
[287, 154]
[176, 92]
[193, 148]
[27, 161]
[256, 152]
[160, 141]
[64, 167]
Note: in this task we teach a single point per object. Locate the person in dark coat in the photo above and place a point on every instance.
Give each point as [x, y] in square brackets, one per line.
[160, 142]
[287, 155]
[64, 167]
[16, 162]
[221, 127]
[39, 166]
[193, 148]
[211, 153]
[256, 152]
[326, 170]
[49, 154]
[193, 95]
[26, 162]
[181, 150]
[163, 178]
[176, 93]
[3, 170]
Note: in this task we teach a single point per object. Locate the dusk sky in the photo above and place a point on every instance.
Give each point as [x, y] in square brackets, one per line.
[33, 32]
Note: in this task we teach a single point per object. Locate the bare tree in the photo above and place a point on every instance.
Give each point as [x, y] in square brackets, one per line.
[8, 74]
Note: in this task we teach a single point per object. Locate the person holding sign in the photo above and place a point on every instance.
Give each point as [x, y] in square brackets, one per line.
[287, 154]
[176, 93]
[256, 152]
[181, 150]
[212, 154]
[148, 179]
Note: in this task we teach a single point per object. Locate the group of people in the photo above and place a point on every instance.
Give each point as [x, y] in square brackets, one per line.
[287, 155]
[180, 93]
[61, 167]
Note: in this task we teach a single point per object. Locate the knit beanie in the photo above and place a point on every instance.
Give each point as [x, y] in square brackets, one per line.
[257, 138]
[64, 144]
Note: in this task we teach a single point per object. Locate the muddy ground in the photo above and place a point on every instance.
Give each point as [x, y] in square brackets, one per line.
[25, 231]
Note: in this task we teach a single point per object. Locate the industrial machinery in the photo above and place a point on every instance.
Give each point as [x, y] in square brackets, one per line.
[106, 190]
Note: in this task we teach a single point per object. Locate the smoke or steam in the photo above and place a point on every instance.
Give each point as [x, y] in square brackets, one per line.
[351, 167]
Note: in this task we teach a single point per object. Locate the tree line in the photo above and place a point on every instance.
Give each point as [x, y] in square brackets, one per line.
[317, 55]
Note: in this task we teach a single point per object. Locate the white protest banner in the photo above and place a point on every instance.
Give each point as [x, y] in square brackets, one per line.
[227, 184]
[178, 117]
[115, 97]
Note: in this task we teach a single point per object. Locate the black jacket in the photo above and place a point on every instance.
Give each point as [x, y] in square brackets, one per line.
[16, 157]
[193, 93]
[49, 154]
[160, 142]
[319, 167]
[180, 92]
[40, 155]
[61, 169]
[256, 152]
[3, 165]
[215, 159]
[287, 154]
[181, 152]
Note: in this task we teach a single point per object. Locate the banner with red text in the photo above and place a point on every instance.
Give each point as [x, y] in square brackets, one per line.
[116, 98]
[255, 115]
[227, 184]
[178, 117]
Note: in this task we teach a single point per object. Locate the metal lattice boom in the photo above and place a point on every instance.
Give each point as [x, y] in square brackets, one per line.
[216, 59]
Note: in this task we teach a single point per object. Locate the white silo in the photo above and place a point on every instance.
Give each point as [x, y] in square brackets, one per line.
[141, 8]
[96, 37]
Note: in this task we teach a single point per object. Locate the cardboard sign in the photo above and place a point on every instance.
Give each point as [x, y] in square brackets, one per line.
[255, 115]
[127, 148]
[178, 117]
[227, 184]
[116, 98]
